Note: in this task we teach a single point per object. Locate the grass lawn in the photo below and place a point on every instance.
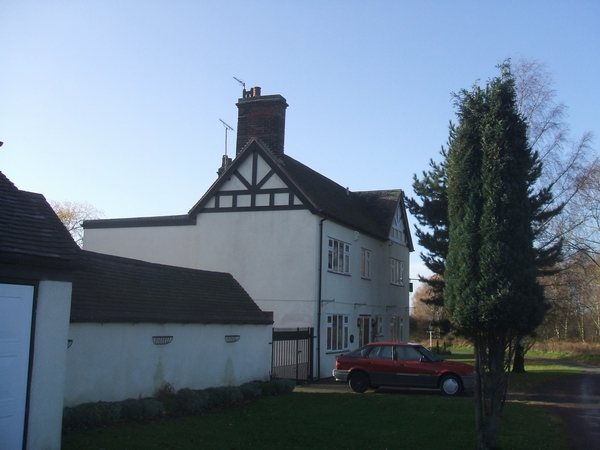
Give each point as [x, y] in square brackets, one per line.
[333, 421]
[343, 421]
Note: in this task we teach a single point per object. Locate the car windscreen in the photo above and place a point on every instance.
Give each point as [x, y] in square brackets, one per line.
[425, 351]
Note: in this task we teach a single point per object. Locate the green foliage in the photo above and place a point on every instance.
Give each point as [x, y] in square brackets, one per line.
[192, 401]
[442, 350]
[223, 396]
[492, 295]
[430, 206]
[90, 415]
[491, 264]
[169, 402]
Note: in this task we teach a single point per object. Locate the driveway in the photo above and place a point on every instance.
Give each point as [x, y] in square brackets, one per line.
[576, 401]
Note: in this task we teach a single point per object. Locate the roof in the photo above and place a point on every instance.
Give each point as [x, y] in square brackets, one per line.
[370, 212]
[116, 289]
[30, 230]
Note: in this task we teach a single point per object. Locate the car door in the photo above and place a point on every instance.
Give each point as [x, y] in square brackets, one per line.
[414, 370]
[381, 365]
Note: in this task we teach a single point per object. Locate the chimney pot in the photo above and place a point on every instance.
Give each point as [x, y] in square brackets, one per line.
[256, 91]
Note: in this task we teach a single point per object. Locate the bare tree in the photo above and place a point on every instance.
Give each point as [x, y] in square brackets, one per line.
[567, 161]
[72, 215]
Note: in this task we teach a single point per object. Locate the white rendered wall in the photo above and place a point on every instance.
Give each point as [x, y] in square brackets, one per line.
[49, 365]
[272, 254]
[354, 296]
[113, 362]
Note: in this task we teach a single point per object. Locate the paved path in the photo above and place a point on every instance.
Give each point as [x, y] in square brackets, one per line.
[576, 401]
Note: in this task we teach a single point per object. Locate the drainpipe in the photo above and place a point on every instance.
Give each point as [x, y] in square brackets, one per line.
[320, 294]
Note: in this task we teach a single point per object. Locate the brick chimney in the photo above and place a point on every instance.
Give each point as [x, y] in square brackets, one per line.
[261, 117]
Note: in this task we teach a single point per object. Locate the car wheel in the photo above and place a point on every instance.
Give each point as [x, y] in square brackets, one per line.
[359, 382]
[451, 385]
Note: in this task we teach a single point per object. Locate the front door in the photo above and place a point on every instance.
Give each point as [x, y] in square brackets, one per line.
[364, 330]
[16, 310]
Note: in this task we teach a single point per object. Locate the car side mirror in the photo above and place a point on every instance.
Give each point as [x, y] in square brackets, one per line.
[424, 359]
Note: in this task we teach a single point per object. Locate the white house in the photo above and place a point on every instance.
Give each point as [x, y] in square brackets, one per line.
[37, 260]
[304, 247]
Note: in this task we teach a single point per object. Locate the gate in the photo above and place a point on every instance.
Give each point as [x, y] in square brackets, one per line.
[292, 356]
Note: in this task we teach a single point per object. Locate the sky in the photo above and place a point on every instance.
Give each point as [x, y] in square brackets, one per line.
[117, 103]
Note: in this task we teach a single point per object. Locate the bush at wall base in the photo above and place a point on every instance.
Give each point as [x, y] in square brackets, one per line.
[168, 403]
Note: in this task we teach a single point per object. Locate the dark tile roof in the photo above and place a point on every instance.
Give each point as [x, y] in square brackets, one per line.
[30, 229]
[371, 212]
[381, 205]
[115, 289]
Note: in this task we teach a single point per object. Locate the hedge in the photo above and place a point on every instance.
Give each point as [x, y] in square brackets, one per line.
[168, 403]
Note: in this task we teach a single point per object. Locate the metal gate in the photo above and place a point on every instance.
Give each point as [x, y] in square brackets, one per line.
[292, 356]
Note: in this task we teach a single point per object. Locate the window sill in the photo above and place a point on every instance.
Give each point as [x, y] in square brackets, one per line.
[339, 273]
[333, 352]
[365, 278]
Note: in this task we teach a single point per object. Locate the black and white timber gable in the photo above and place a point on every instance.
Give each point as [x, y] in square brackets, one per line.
[254, 182]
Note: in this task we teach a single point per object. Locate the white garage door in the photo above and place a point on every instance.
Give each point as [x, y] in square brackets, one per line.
[16, 309]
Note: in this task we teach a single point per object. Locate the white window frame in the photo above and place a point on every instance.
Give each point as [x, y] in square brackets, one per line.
[398, 234]
[338, 332]
[338, 256]
[396, 272]
[365, 264]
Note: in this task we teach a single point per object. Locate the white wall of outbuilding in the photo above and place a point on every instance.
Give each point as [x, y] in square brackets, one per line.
[116, 361]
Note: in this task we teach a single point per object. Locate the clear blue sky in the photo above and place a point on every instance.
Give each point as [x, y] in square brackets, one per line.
[117, 103]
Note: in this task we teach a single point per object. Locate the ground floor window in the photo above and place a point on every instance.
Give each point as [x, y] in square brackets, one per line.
[337, 332]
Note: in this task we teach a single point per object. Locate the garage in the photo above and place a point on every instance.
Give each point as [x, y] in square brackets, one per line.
[16, 309]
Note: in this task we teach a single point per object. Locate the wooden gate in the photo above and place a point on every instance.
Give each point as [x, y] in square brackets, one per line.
[292, 356]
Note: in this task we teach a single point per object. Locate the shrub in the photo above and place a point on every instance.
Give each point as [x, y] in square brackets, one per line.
[151, 407]
[251, 391]
[223, 396]
[131, 409]
[192, 401]
[91, 415]
[183, 402]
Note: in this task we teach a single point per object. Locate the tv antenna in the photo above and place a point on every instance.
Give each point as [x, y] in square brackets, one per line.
[227, 128]
[241, 82]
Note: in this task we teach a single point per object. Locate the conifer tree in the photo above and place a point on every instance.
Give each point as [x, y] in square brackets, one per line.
[491, 290]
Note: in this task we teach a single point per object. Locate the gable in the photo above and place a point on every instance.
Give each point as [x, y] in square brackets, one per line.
[30, 230]
[398, 232]
[252, 183]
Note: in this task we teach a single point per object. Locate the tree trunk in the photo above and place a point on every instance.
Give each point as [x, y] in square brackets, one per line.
[490, 390]
[519, 362]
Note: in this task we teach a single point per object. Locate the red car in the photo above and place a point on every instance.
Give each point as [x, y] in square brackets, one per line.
[402, 365]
